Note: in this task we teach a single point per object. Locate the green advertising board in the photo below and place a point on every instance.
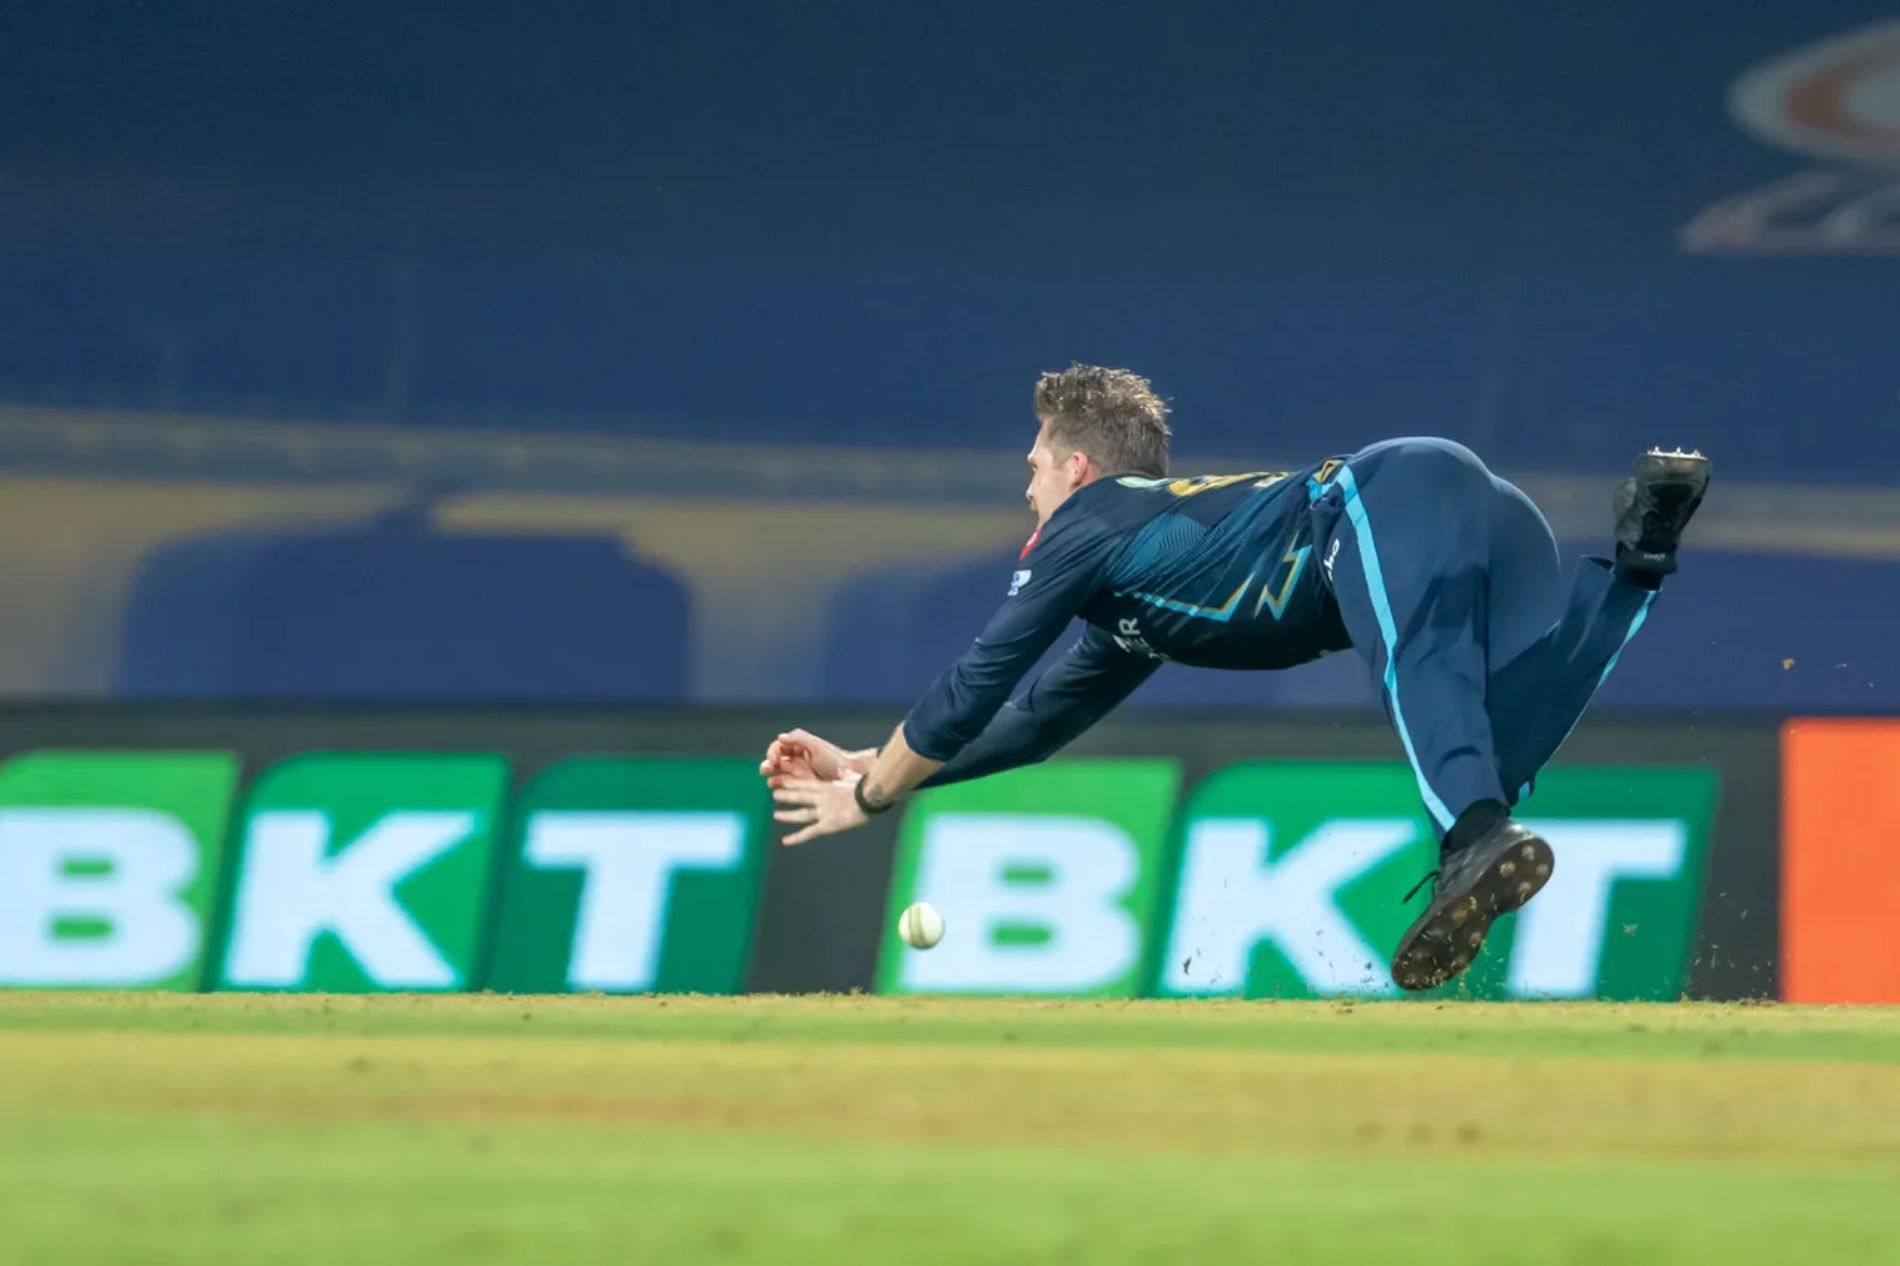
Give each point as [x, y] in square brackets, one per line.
[629, 875]
[1619, 916]
[1288, 880]
[1049, 877]
[108, 866]
[363, 871]
[1291, 877]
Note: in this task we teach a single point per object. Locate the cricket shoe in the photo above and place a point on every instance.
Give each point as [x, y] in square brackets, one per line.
[1653, 506]
[1494, 874]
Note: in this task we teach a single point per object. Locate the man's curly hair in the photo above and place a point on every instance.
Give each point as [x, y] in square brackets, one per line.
[1112, 415]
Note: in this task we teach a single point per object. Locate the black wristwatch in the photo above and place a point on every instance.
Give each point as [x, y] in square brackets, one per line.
[870, 810]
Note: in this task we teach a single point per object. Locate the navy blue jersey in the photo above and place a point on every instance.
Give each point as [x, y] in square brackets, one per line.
[1216, 571]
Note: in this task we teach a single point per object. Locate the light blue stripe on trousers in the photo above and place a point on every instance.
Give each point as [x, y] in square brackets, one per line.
[1642, 613]
[1382, 607]
[1636, 622]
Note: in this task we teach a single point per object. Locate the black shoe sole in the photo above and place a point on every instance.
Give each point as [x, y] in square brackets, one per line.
[1669, 490]
[1677, 462]
[1448, 936]
[1664, 493]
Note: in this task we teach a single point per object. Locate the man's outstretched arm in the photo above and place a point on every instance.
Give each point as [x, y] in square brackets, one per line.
[1093, 676]
[1082, 687]
[1043, 597]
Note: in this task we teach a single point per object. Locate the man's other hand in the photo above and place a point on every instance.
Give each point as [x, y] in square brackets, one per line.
[820, 806]
[802, 754]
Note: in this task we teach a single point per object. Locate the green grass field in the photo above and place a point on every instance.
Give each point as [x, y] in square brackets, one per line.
[682, 1130]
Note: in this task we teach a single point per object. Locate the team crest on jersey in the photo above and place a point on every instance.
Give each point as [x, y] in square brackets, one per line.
[1017, 581]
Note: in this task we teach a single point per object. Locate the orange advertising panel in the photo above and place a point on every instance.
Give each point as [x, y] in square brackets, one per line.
[1840, 861]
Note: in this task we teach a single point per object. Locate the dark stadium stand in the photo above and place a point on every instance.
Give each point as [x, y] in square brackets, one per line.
[393, 610]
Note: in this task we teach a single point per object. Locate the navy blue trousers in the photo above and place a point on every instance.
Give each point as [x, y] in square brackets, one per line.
[1448, 581]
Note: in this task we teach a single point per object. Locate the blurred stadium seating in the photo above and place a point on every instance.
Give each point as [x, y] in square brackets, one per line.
[744, 420]
[261, 559]
[392, 609]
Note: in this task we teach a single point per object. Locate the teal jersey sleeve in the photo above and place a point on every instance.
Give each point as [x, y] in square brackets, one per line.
[1058, 572]
[1091, 678]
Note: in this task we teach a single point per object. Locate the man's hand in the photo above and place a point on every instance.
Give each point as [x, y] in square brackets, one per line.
[814, 781]
[821, 806]
[802, 754]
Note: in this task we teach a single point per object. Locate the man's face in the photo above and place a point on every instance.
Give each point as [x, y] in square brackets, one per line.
[1054, 474]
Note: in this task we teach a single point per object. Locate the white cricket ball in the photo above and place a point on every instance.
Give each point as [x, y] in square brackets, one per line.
[920, 925]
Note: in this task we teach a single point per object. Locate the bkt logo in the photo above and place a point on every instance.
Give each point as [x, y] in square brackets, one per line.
[365, 871]
[1286, 882]
[357, 871]
[1838, 101]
